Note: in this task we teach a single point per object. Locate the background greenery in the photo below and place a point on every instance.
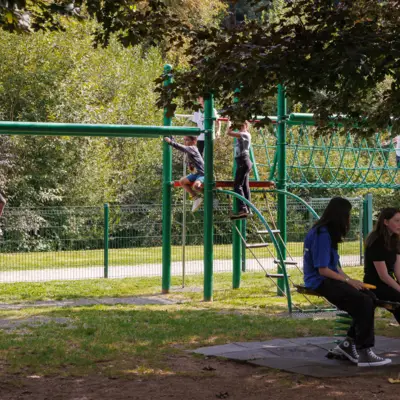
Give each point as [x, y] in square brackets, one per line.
[61, 77]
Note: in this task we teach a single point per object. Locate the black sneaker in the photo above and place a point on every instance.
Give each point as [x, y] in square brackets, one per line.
[348, 349]
[240, 215]
[369, 359]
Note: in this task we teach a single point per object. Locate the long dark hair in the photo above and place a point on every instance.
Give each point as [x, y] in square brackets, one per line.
[336, 219]
[381, 230]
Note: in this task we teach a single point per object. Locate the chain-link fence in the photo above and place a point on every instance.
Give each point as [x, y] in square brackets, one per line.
[68, 243]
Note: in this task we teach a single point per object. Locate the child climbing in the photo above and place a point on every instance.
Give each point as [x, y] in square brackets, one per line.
[193, 182]
[243, 167]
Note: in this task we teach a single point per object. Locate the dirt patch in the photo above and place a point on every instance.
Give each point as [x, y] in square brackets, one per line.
[189, 377]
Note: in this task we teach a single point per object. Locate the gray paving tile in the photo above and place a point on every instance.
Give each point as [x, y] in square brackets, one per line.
[301, 352]
[251, 345]
[218, 350]
[305, 356]
[250, 354]
[278, 343]
[313, 340]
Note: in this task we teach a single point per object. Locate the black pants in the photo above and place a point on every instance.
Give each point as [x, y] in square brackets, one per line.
[200, 146]
[385, 292]
[242, 187]
[358, 304]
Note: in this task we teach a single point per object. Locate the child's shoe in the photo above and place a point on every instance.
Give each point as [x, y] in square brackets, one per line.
[197, 203]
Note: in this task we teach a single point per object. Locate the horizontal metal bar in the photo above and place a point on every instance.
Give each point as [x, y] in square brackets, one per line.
[60, 129]
[301, 117]
[316, 310]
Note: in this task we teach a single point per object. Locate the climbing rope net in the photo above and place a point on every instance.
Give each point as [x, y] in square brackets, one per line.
[336, 160]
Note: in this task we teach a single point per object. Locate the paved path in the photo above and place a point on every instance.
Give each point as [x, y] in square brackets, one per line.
[144, 270]
[135, 300]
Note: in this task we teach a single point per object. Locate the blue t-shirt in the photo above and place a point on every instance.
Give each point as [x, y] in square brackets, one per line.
[318, 252]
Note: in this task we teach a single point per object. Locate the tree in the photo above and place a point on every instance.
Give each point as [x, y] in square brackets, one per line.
[333, 56]
[134, 21]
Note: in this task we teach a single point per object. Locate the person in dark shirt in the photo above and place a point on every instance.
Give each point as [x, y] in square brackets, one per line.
[193, 182]
[382, 257]
[323, 275]
[243, 167]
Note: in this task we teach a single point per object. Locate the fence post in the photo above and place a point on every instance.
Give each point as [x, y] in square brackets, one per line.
[360, 228]
[106, 235]
[367, 215]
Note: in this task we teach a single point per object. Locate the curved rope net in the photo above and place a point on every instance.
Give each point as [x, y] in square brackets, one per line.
[331, 161]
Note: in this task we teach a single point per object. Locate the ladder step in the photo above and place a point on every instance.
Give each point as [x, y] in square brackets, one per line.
[275, 275]
[272, 230]
[286, 262]
[256, 245]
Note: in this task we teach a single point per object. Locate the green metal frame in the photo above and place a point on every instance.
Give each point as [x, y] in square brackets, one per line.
[55, 129]
[167, 198]
[209, 184]
[360, 176]
[281, 181]
[251, 206]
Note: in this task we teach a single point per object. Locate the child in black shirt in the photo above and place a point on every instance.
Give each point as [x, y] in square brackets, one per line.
[382, 257]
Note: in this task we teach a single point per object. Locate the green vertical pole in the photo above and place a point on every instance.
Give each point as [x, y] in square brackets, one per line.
[244, 234]
[255, 169]
[209, 184]
[237, 243]
[367, 215]
[166, 199]
[244, 221]
[281, 181]
[106, 235]
[237, 249]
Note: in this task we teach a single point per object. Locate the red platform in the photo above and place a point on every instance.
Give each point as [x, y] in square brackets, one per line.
[230, 184]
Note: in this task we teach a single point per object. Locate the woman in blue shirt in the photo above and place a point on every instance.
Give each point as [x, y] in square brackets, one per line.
[323, 275]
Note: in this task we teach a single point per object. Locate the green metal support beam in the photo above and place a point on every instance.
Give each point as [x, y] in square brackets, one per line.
[251, 206]
[167, 199]
[57, 129]
[209, 185]
[281, 181]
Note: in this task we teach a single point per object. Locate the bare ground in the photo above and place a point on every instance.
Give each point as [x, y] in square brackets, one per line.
[194, 378]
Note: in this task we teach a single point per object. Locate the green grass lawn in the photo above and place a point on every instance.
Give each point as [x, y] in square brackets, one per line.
[134, 256]
[120, 340]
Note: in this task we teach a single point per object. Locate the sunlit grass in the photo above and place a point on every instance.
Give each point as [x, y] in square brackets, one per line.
[123, 340]
[135, 256]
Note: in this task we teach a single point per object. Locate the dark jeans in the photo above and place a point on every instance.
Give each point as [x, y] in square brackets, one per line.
[200, 146]
[385, 292]
[242, 187]
[358, 304]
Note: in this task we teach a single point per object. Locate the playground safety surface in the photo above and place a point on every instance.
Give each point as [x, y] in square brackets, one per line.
[306, 356]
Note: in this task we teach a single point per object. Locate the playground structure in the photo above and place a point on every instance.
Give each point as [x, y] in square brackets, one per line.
[359, 166]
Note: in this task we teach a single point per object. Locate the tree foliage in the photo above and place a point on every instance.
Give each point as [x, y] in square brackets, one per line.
[332, 56]
[336, 57]
[60, 77]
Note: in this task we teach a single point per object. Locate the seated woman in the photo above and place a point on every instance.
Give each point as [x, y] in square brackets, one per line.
[323, 275]
[382, 257]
